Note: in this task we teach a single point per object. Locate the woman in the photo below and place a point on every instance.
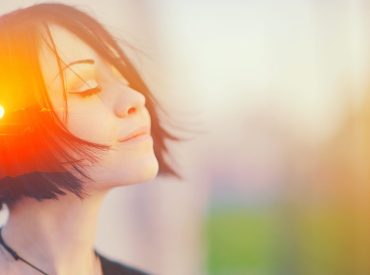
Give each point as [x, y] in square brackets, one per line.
[79, 120]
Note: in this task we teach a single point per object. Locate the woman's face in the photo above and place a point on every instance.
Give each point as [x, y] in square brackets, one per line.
[102, 108]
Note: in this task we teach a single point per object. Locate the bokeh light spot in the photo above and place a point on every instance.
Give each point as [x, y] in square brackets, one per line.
[2, 111]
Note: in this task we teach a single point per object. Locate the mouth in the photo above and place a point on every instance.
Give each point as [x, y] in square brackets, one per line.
[139, 134]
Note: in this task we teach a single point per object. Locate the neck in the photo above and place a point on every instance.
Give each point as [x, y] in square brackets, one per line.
[57, 236]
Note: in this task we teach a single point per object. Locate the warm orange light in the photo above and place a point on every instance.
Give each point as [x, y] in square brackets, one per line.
[2, 112]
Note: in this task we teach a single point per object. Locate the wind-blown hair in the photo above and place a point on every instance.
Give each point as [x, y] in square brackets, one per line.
[39, 157]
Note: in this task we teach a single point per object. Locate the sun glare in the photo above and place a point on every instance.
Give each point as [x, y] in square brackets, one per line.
[2, 111]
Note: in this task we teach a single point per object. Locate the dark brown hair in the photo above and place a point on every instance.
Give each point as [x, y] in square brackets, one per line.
[39, 157]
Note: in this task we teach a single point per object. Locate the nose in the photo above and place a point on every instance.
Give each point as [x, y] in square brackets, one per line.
[129, 102]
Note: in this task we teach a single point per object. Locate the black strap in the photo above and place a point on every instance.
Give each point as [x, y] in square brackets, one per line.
[8, 248]
[15, 255]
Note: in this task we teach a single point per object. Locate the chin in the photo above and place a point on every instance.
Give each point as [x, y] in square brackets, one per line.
[122, 174]
[146, 171]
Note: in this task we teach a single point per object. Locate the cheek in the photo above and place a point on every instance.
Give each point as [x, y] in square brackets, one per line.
[91, 121]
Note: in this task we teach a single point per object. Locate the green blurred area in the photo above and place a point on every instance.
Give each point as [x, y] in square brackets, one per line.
[287, 241]
[241, 241]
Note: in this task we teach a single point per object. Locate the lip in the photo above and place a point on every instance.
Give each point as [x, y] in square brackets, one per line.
[139, 134]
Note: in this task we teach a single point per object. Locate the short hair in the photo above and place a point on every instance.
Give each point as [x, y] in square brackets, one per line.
[39, 157]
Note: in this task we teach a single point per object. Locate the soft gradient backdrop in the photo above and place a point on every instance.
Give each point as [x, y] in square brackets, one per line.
[261, 87]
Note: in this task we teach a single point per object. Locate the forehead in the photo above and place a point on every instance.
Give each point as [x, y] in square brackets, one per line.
[69, 48]
[68, 45]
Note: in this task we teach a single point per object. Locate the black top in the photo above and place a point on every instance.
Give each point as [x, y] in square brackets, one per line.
[115, 268]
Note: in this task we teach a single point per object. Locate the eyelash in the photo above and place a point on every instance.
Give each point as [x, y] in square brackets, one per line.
[90, 92]
[93, 89]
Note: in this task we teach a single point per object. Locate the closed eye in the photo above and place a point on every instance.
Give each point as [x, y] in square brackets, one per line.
[89, 88]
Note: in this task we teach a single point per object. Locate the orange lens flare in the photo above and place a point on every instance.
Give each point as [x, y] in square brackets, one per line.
[2, 111]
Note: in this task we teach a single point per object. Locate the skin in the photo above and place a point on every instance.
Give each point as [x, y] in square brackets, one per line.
[58, 235]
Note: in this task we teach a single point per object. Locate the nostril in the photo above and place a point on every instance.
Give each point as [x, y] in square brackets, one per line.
[131, 110]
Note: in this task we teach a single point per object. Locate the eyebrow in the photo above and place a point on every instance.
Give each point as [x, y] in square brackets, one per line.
[81, 61]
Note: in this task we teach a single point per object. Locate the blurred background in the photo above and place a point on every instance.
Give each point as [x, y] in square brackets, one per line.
[273, 97]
